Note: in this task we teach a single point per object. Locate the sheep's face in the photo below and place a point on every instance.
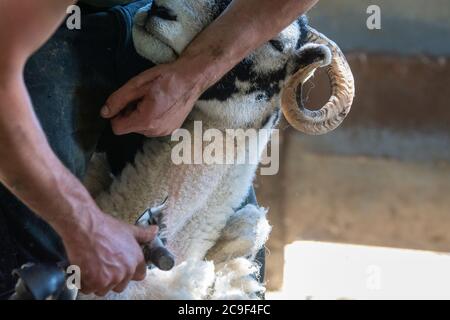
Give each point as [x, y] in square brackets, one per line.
[250, 92]
[166, 27]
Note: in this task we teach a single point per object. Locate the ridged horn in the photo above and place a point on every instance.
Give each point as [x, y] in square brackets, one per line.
[333, 113]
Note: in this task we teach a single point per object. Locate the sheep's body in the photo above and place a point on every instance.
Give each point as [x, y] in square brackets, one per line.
[201, 217]
[203, 197]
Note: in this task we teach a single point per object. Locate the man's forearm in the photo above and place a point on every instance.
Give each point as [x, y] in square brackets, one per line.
[29, 168]
[243, 27]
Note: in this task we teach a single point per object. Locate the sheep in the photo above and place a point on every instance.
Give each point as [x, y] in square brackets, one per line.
[215, 245]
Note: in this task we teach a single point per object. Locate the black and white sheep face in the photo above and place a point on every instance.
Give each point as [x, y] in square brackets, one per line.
[168, 26]
[162, 31]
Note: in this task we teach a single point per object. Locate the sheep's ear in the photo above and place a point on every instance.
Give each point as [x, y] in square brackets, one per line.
[312, 53]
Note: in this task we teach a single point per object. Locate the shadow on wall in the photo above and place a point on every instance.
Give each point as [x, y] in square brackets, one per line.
[407, 26]
[383, 177]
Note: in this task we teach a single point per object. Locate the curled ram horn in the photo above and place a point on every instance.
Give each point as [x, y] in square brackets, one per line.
[333, 113]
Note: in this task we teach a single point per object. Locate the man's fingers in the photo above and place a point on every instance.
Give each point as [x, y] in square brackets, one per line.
[155, 133]
[122, 286]
[147, 134]
[129, 123]
[145, 235]
[141, 272]
[120, 99]
[94, 286]
[86, 290]
[133, 90]
[104, 292]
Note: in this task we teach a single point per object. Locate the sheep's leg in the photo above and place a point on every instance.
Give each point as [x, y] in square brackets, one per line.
[244, 235]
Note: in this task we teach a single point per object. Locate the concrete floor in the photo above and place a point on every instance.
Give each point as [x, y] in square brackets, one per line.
[316, 270]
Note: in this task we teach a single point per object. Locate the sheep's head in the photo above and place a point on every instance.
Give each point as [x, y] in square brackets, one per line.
[277, 69]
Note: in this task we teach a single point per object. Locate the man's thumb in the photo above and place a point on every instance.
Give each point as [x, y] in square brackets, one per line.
[145, 235]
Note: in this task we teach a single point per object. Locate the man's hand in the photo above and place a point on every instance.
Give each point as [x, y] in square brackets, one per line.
[110, 255]
[157, 102]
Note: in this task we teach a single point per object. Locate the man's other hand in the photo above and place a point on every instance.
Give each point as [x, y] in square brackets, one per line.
[156, 102]
[108, 253]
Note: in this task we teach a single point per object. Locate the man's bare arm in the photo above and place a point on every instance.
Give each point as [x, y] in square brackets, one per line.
[167, 93]
[106, 250]
[244, 26]
[27, 165]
